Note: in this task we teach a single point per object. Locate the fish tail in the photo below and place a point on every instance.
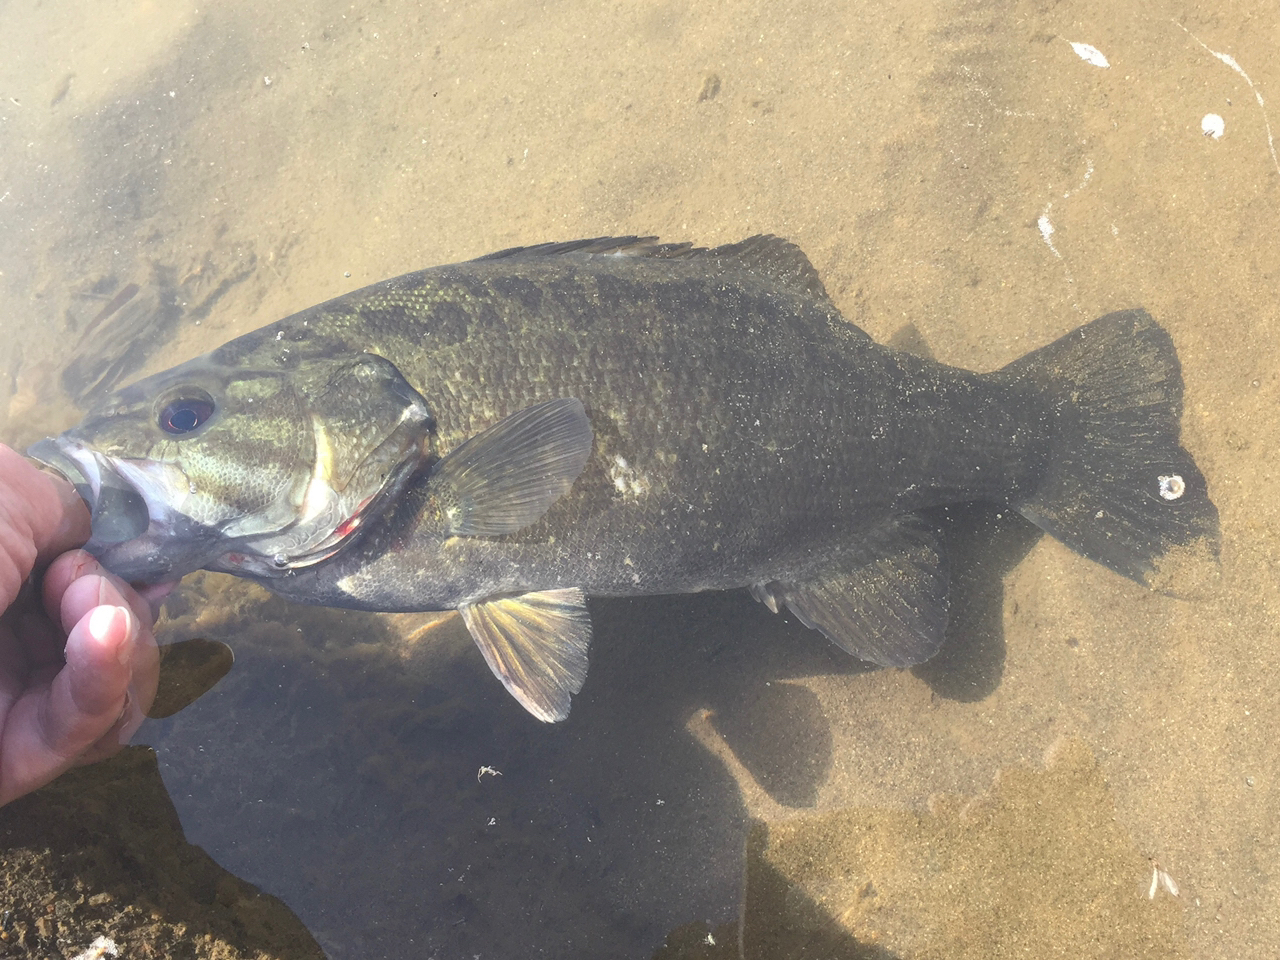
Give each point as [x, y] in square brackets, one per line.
[1118, 487]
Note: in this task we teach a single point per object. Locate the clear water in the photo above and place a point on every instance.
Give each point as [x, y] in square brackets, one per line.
[959, 167]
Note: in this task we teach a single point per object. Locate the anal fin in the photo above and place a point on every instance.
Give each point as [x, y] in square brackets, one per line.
[536, 644]
[887, 605]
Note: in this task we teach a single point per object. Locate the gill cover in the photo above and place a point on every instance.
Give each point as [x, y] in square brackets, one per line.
[369, 428]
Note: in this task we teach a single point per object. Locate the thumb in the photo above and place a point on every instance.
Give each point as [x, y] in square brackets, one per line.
[50, 728]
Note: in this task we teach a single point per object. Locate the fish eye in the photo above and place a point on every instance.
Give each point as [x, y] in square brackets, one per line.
[185, 414]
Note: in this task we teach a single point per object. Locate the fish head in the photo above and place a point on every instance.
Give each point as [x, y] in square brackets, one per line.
[225, 466]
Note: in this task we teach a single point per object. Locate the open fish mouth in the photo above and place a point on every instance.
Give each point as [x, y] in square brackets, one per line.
[138, 533]
[119, 511]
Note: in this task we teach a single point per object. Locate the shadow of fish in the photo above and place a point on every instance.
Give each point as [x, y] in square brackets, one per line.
[510, 435]
[117, 341]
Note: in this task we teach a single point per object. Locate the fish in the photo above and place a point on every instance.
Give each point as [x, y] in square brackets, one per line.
[508, 436]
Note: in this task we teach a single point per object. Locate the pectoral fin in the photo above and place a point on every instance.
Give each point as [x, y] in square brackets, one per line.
[889, 608]
[536, 644]
[507, 477]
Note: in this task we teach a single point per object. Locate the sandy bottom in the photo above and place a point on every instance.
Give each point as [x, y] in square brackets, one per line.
[727, 783]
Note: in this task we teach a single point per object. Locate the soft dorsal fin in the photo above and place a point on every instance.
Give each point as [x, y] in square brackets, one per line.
[764, 254]
[776, 258]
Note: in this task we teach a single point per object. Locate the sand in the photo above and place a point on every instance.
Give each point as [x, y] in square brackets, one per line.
[957, 170]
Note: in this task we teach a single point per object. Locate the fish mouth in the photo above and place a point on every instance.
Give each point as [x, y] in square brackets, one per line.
[118, 510]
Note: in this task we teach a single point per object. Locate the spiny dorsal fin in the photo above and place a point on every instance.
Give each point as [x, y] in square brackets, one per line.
[536, 644]
[765, 254]
[598, 246]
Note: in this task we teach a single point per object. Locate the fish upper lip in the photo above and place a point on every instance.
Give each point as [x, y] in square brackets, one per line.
[118, 507]
[76, 464]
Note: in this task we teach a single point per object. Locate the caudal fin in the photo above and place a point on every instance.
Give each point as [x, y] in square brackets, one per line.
[1120, 488]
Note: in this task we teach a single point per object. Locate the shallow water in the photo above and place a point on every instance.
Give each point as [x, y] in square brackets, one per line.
[958, 167]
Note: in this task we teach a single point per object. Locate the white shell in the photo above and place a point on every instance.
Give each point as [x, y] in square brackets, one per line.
[1171, 488]
[1088, 54]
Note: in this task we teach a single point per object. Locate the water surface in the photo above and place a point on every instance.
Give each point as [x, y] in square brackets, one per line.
[957, 169]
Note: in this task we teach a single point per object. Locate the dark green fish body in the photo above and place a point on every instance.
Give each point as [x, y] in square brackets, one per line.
[617, 417]
[744, 430]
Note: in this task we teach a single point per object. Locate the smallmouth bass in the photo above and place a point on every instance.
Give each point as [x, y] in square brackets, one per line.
[510, 435]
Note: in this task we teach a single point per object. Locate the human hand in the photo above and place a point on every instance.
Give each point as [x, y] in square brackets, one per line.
[78, 663]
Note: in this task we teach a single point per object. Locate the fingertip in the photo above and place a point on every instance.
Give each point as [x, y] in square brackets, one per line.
[92, 587]
[113, 629]
[98, 653]
[88, 697]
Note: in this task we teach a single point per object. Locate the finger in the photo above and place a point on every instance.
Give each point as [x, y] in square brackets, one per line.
[42, 508]
[121, 732]
[89, 587]
[51, 726]
[76, 583]
[91, 592]
[100, 651]
[145, 662]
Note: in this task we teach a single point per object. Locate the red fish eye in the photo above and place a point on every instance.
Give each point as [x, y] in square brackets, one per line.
[183, 416]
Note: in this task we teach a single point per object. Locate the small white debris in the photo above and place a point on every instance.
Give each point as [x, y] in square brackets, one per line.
[266, 81]
[1213, 126]
[629, 482]
[1172, 487]
[489, 770]
[1231, 62]
[1160, 878]
[710, 941]
[1090, 55]
[102, 947]
[1046, 233]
